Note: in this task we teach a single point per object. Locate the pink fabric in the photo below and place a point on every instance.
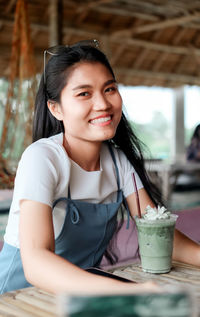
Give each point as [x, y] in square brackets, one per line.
[125, 246]
[188, 222]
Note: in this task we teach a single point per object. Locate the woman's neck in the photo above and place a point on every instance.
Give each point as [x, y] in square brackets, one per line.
[85, 154]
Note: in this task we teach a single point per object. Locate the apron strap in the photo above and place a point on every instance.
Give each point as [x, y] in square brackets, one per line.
[69, 192]
[127, 211]
[71, 208]
[118, 184]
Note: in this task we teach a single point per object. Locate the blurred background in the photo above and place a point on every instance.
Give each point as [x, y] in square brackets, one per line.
[154, 49]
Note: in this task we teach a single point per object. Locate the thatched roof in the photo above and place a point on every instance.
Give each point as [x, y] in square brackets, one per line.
[149, 42]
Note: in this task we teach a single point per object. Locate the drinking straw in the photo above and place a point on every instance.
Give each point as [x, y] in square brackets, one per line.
[137, 197]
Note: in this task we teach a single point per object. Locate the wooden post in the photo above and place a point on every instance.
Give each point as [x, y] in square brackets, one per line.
[54, 29]
[178, 148]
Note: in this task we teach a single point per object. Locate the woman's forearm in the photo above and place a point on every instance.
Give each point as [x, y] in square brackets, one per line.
[54, 274]
[185, 250]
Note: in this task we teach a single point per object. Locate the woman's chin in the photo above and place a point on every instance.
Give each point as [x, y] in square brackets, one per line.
[108, 135]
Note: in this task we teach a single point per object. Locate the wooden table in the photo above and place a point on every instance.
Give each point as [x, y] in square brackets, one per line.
[28, 302]
[168, 173]
[181, 275]
[32, 302]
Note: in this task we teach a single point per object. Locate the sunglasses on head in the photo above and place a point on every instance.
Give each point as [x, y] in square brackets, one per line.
[56, 50]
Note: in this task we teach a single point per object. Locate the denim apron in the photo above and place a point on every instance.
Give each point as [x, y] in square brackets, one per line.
[86, 232]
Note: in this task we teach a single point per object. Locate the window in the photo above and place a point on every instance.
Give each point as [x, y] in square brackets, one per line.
[192, 110]
[150, 111]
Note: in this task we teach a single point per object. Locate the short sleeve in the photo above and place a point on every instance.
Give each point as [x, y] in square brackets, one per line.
[36, 176]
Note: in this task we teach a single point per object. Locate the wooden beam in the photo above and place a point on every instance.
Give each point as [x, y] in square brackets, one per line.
[179, 36]
[178, 78]
[127, 13]
[140, 59]
[158, 47]
[180, 67]
[92, 4]
[162, 58]
[82, 10]
[121, 11]
[142, 56]
[118, 53]
[158, 25]
[197, 60]
[175, 41]
[192, 26]
[180, 50]
[158, 7]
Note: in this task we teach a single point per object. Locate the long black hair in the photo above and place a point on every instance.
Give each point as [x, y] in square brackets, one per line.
[196, 134]
[45, 124]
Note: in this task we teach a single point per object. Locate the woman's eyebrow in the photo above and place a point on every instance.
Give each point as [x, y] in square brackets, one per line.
[108, 82]
[81, 87]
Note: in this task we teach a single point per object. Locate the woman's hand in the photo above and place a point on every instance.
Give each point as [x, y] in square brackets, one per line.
[149, 287]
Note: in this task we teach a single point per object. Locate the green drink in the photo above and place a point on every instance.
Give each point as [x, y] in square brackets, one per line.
[155, 237]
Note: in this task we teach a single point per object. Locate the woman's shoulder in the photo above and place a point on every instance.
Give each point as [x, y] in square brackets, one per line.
[44, 155]
[44, 159]
[46, 147]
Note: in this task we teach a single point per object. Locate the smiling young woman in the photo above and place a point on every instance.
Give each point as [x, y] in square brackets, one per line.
[72, 180]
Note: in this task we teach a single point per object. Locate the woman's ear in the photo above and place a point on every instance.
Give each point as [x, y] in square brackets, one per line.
[55, 109]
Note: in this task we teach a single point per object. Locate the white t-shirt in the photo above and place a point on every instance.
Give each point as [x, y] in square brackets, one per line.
[45, 171]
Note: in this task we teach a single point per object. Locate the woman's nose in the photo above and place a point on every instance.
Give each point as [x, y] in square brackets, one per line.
[101, 103]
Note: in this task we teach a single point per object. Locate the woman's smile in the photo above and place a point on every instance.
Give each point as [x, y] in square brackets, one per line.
[102, 120]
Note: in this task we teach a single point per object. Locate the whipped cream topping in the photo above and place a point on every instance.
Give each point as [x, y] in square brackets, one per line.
[156, 213]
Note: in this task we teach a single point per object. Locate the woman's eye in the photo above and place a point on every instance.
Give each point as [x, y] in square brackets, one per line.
[110, 89]
[84, 94]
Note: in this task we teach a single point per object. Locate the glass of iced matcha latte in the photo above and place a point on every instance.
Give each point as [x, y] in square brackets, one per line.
[155, 236]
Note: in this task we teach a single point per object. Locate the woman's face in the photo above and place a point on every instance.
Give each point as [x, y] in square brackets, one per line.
[91, 105]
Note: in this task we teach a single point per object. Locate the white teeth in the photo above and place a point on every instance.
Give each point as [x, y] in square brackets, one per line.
[100, 120]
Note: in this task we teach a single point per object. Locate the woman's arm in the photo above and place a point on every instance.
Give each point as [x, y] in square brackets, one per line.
[184, 250]
[46, 270]
[144, 202]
